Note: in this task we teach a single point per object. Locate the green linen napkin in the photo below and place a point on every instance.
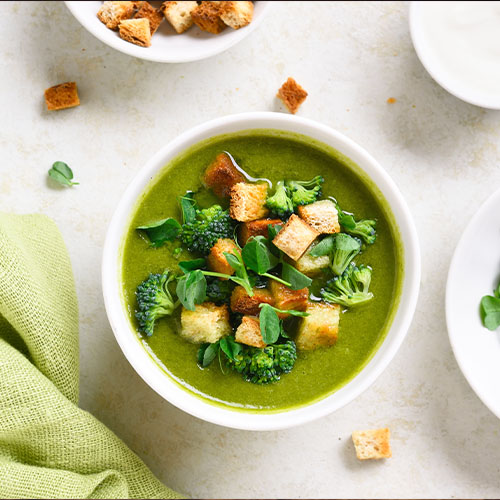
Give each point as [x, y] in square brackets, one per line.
[49, 448]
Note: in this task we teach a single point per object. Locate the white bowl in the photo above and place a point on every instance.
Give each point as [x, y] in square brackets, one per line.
[474, 272]
[156, 377]
[166, 45]
[459, 86]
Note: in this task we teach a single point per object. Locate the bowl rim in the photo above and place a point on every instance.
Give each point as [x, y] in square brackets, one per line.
[143, 53]
[149, 370]
[416, 33]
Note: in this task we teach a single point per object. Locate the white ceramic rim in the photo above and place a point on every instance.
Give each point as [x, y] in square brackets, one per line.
[450, 85]
[151, 372]
[453, 271]
[143, 53]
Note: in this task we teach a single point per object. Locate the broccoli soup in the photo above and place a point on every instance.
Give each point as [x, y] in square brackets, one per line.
[261, 270]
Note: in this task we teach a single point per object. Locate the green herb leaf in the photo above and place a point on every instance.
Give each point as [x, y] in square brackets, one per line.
[272, 231]
[230, 347]
[190, 265]
[257, 256]
[210, 353]
[292, 312]
[296, 279]
[188, 207]
[161, 231]
[192, 289]
[269, 324]
[62, 174]
[490, 312]
[235, 262]
[201, 352]
[324, 247]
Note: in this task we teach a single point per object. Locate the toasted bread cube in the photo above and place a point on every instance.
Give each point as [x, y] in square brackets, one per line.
[207, 17]
[216, 259]
[248, 201]
[249, 332]
[62, 96]
[136, 31]
[237, 14]
[242, 303]
[292, 95]
[147, 11]
[207, 323]
[295, 237]
[286, 298]
[320, 328]
[112, 13]
[178, 14]
[312, 266]
[321, 215]
[221, 175]
[372, 444]
[256, 228]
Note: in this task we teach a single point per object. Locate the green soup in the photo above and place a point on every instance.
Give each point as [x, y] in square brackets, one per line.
[273, 155]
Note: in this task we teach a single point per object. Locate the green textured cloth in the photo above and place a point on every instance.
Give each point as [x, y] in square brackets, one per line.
[49, 448]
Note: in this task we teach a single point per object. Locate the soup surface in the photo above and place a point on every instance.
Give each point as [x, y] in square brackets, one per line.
[272, 155]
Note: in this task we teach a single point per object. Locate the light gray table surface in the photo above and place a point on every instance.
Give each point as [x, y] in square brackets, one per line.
[351, 57]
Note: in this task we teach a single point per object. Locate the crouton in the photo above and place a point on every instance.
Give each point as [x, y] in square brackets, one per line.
[256, 228]
[295, 237]
[322, 216]
[216, 259]
[320, 328]
[249, 332]
[112, 13]
[372, 444]
[248, 201]
[178, 14]
[221, 175]
[207, 17]
[292, 95]
[62, 96]
[237, 14]
[207, 323]
[311, 266]
[242, 303]
[286, 298]
[136, 31]
[147, 11]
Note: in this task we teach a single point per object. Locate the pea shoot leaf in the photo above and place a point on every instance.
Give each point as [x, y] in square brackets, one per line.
[296, 279]
[257, 255]
[188, 207]
[324, 247]
[159, 232]
[192, 289]
[270, 327]
[62, 174]
[490, 312]
[190, 265]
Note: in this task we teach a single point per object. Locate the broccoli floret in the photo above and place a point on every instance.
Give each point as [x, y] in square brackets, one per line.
[364, 228]
[264, 366]
[218, 291]
[345, 248]
[351, 289]
[305, 192]
[280, 203]
[154, 301]
[210, 224]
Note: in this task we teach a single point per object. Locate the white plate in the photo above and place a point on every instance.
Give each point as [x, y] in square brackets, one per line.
[166, 45]
[474, 272]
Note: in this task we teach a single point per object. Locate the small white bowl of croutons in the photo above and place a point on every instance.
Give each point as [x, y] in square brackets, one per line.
[170, 32]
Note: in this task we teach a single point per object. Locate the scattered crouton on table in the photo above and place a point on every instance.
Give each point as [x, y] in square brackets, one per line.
[292, 95]
[62, 96]
[372, 444]
[320, 328]
[207, 323]
[321, 215]
[207, 17]
[221, 175]
[312, 266]
[295, 237]
[256, 228]
[216, 259]
[112, 13]
[242, 303]
[248, 201]
[237, 14]
[249, 332]
[178, 14]
[147, 11]
[285, 298]
[136, 31]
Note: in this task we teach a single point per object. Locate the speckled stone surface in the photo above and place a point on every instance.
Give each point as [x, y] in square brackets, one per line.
[442, 153]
